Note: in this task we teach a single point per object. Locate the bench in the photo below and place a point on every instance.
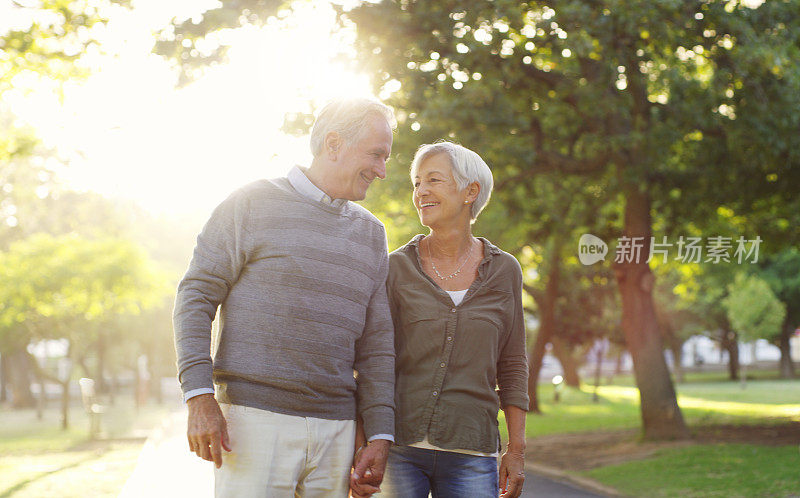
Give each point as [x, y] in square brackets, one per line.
[92, 407]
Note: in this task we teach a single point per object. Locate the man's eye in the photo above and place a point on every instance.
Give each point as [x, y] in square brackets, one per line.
[416, 184]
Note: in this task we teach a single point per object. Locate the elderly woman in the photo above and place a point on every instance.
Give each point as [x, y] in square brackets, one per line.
[459, 339]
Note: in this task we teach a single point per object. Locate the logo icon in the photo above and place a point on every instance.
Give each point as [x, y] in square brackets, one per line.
[591, 249]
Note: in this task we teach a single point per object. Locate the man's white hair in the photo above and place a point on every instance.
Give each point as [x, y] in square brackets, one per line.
[348, 118]
[468, 167]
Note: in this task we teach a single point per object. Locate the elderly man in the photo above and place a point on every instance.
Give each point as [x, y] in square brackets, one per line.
[299, 272]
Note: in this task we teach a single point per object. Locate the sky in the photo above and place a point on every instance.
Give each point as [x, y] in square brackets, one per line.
[128, 132]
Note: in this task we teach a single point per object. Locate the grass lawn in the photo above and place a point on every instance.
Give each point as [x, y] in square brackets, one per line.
[38, 458]
[704, 399]
[723, 470]
[695, 470]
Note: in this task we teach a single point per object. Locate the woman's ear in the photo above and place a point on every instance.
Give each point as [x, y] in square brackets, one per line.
[332, 144]
[473, 189]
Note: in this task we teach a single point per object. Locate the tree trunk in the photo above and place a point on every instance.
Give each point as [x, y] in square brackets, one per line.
[153, 374]
[731, 345]
[674, 342]
[677, 355]
[155, 386]
[100, 381]
[3, 378]
[547, 307]
[618, 363]
[41, 401]
[786, 367]
[65, 389]
[661, 416]
[65, 404]
[569, 364]
[137, 387]
[601, 346]
[19, 369]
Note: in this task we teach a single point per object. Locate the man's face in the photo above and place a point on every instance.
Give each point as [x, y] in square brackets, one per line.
[360, 162]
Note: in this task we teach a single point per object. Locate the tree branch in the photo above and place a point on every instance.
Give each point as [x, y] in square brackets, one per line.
[536, 294]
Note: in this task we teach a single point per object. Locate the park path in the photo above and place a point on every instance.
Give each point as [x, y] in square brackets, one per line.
[167, 469]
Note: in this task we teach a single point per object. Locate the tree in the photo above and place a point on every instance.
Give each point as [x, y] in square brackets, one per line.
[648, 92]
[677, 108]
[70, 288]
[782, 272]
[753, 309]
[56, 35]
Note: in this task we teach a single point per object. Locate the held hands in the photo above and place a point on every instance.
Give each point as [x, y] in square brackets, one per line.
[207, 429]
[369, 464]
[512, 473]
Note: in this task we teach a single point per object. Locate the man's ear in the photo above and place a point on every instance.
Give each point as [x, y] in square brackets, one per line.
[332, 144]
[473, 189]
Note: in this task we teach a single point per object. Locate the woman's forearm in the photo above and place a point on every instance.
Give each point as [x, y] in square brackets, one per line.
[515, 421]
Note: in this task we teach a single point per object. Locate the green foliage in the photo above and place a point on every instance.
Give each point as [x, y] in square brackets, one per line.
[194, 43]
[782, 272]
[57, 33]
[47, 42]
[753, 309]
[67, 286]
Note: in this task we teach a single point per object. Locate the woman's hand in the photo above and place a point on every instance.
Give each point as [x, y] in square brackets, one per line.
[512, 463]
[512, 473]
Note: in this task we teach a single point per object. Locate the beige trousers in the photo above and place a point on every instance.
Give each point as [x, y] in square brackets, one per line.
[275, 455]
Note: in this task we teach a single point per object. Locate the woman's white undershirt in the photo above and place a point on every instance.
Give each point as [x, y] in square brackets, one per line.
[457, 297]
[426, 445]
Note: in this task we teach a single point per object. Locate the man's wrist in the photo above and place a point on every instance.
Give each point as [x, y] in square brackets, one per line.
[199, 399]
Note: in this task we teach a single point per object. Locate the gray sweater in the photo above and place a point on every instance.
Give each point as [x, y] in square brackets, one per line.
[302, 289]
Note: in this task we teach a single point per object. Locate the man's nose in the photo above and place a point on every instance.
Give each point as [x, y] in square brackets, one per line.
[380, 170]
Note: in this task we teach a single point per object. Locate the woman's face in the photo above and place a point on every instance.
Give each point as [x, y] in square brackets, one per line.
[438, 200]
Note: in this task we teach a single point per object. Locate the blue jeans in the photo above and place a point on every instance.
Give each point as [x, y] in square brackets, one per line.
[415, 472]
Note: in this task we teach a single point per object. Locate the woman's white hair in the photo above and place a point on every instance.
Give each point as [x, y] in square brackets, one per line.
[348, 118]
[468, 167]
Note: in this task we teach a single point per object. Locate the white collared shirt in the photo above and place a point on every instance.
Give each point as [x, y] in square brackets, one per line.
[297, 177]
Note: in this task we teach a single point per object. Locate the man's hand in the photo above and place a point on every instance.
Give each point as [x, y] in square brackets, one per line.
[512, 473]
[207, 429]
[369, 465]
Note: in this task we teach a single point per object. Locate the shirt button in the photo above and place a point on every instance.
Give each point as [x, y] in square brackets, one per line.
[435, 393]
[449, 338]
[441, 364]
[453, 310]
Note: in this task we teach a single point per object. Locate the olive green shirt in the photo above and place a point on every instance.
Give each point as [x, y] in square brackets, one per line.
[456, 365]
